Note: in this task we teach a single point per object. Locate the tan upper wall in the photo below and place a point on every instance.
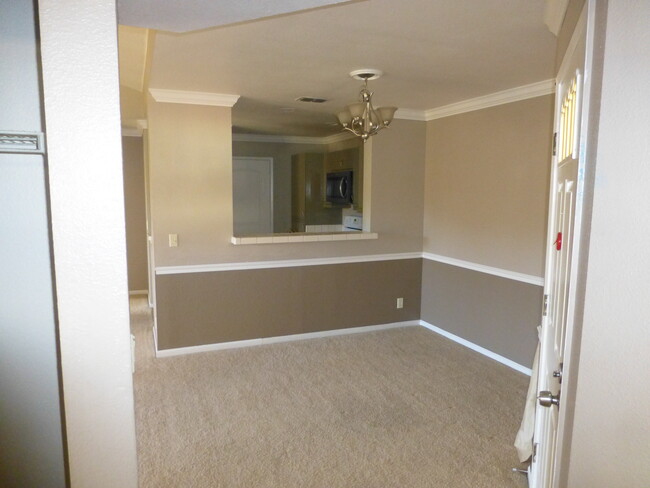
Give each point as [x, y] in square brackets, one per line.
[486, 185]
[191, 191]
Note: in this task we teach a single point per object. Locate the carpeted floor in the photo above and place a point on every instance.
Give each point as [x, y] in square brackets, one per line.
[397, 408]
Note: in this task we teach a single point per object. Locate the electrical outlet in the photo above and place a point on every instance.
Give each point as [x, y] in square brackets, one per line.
[400, 303]
[173, 240]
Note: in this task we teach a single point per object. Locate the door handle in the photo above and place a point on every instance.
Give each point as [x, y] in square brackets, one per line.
[547, 399]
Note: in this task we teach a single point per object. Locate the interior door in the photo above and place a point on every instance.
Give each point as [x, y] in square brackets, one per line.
[562, 246]
[252, 196]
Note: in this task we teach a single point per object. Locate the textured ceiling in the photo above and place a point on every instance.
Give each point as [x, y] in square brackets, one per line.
[432, 52]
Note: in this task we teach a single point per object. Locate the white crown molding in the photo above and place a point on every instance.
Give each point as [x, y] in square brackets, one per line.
[475, 347]
[554, 12]
[533, 90]
[134, 127]
[193, 97]
[277, 139]
[131, 132]
[138, 292]
[410, 114]
[340, 137]
[481, 268]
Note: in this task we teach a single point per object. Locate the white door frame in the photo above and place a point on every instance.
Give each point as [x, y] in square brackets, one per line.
[584, 29]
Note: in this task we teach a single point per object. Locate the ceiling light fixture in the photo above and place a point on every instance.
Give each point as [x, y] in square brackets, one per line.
[361, 118]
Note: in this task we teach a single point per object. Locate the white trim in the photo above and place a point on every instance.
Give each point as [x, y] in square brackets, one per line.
[280, 339]
[193, 97]
[138, 292]
[343, 136]
[477, 348]
[131, 132]
[290, 263]
[533, 90]
[411, 114]
[537, 89]
[340, 332]
[134, 127]
[554, 13]
[277, 139]
[280, 139]
[503, 273]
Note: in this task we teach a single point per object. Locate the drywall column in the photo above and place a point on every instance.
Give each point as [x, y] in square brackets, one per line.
[81, 99]
[31, 444]
[611, 426]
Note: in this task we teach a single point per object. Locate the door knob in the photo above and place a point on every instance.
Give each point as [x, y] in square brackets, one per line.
[547, 399]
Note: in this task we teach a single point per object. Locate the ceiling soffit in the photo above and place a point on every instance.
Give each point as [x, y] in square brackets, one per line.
[190, 15]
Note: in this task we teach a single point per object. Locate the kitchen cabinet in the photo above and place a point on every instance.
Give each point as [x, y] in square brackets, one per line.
[346, 159]
[308, 206]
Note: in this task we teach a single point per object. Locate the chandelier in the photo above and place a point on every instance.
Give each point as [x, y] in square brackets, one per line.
[361, 118]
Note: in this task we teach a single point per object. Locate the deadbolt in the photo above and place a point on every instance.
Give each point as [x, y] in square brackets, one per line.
[547, 399]
[558, 372]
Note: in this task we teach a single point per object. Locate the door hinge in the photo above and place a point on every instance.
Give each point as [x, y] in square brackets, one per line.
[554, 143]
[535, 451]
[545, 306]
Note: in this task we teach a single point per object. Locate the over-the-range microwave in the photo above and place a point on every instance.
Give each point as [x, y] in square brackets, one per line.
[339, 188]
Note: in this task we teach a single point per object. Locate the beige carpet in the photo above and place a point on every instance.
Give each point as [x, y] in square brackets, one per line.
[397, 408]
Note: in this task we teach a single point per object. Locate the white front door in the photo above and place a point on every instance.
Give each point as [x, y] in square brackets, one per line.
[565, 211]
[252, 189]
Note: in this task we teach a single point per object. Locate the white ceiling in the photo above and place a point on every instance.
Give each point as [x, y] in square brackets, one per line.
[190, 15]
[432, 52]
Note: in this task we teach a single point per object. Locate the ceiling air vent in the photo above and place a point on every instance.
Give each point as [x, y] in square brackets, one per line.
[311, 100]
[21, 142]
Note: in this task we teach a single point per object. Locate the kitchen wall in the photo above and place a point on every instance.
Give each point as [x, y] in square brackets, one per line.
[486, 186]
[191, 195]
[134, 203]
[281, 154]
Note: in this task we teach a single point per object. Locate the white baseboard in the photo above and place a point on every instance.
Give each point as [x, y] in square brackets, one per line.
[477, 348]
[274, 340]
[338, 332]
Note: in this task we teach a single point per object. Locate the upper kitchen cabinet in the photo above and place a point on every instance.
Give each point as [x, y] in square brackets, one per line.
[346, 159]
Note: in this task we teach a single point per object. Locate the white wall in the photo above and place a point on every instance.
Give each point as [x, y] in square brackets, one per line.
[31, 444]
[80, 84]
[611, 435]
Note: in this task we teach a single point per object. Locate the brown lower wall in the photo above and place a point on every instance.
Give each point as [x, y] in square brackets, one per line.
[496, 313]
[222, 306]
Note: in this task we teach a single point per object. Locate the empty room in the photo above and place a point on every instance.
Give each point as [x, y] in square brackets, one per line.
[323, 243]
[288, 346]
